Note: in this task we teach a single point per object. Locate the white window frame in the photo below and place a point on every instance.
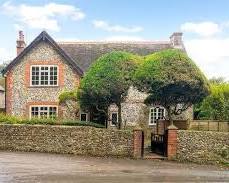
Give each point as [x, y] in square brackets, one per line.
[111, 118]
[39, 106]
[86, 115]
[57, 84]
[157, 109]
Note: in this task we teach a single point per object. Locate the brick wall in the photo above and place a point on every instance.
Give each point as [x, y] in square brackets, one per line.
[66, 139]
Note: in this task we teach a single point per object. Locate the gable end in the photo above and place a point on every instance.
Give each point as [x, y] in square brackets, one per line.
[43, 36]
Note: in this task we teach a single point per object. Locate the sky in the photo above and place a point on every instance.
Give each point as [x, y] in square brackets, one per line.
[205, 25]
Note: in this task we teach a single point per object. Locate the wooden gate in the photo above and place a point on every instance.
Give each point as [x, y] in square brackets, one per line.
[159, 140]
[159, 144]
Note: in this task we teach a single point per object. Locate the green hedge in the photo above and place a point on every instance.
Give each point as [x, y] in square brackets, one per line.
[7, 119]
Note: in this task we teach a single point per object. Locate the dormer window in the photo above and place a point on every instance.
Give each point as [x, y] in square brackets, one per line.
[44, 75]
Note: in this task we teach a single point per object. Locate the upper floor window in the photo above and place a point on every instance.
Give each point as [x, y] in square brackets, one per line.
[156, 113]
[44, 75]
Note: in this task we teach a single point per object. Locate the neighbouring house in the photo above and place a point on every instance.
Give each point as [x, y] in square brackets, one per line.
[2, 99]
[45, 68]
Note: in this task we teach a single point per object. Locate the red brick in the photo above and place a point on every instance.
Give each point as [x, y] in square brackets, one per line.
[172, 143]
[138, 143]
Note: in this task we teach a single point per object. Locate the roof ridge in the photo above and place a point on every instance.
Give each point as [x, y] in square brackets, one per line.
[42, 37]
[112, 42]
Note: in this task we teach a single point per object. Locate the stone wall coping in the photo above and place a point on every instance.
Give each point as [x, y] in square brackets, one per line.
[66, 126]
[196, 131]
[172, 127]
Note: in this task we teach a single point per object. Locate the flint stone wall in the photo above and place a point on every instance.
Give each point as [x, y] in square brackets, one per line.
[203, 146]
[136, 113]
[21, 93]
[66, 139]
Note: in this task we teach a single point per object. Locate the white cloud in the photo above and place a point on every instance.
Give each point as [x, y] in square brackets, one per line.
[18, 27]
[123, 38]
[211, 55]
[100, 24]
[5, 55]
[201, 28]
[42, 17]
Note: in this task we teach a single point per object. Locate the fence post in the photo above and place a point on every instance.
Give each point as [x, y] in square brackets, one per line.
[218, 126]
[138, 149]
[172, 142]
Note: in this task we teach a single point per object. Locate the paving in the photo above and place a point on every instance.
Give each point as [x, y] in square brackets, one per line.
[44, 167]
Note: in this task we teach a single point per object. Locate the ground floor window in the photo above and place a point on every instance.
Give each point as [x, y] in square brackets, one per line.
[43, 112]
[114, 118]
[156, 113]
[83, 116]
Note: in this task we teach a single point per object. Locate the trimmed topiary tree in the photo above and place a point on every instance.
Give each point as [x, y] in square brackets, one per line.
[107, 82]
[172, 80]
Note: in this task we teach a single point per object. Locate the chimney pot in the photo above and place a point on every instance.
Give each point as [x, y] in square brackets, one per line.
[20, 42]
[176, 40]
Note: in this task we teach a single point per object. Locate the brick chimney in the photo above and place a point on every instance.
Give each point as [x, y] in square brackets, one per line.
[20, 43]
[176, 40]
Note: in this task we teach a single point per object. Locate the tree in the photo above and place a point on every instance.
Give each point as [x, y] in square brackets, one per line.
[172, 80]
[217, 80]
[216, 105]
[107, 82]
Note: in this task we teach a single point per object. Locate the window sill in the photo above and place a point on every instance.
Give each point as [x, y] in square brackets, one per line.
[152, 125]
[43, 86]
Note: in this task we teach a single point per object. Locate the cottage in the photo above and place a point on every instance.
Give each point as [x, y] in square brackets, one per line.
[45, 68]
[2, 98]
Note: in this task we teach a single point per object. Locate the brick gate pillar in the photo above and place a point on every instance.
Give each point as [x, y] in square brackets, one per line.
[138, 141]
[171, 142]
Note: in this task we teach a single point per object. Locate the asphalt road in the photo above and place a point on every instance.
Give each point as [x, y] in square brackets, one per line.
[41, 167]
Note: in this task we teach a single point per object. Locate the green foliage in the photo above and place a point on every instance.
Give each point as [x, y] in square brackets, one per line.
[68, 95]
[216, 105]
[217, 80]
[69, 100]
[37, 121]
[7, 119]
[171, 78]
[82, 123]
[107, 81]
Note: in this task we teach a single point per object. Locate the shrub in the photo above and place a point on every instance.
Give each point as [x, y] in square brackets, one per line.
[68, 95]
[37, 121]
[7, 119]
[81, 123]
[216, 105]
